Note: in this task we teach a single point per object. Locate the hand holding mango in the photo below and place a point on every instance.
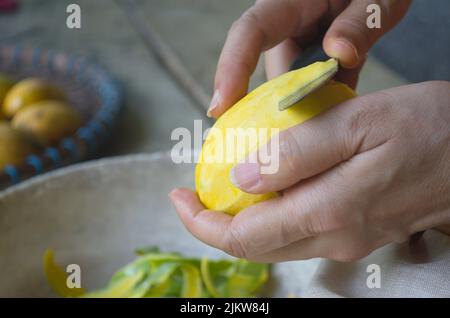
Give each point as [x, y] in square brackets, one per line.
[369, 171]
[257, 115]
[373, 170]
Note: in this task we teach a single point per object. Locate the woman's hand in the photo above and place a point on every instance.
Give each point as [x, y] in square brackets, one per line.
[368, 172]
[283, 27]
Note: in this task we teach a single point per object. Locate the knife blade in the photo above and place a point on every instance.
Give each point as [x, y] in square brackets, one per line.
[298, 93]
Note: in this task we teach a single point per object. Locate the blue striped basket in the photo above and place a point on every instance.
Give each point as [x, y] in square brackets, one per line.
[90, 89]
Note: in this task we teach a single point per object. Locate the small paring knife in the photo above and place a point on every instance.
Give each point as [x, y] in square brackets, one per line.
[301, 92]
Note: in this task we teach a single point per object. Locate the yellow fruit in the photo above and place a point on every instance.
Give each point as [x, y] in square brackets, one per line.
[258, 110]
[5, 85]
[14, 147]
[27, 92]
[47, 121]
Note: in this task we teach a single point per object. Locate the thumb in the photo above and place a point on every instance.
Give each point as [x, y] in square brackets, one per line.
[320, 143]
[349, 38]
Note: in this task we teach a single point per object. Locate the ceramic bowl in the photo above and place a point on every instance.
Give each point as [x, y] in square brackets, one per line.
[95, 214]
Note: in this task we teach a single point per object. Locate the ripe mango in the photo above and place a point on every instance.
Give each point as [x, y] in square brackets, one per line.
[47, 121]
[27, 92]
[258, 110]
[5, 85]
[14, 146]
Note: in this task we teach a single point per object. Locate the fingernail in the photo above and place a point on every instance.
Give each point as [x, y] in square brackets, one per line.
[177, 197]
[173, 195]
[215, 101]
[245, 175]
[345, 52]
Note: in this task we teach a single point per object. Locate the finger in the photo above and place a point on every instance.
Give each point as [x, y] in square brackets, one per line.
[349, 38]
[279, 59]
[331, 202]
[208, 226]
[318, 144]
[301, 250]
[323, 216]
[256, 230]
[263, 26]
[342, 246]
[350, 76]
[316, 206]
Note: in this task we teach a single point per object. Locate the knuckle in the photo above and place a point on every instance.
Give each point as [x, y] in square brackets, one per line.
[322, 222]
[312, 226]
[357, 128]
[365, 120]
[289, 229]
[346, 255]
[300, 219]
[362, 37]
[249, 19]
[235, 26]
[334, 219]
[234, 61]
[361, 116]
[313, 215]
[290, 150]
[250, 16]
[236, 245]
[233, 57]
[398, 234]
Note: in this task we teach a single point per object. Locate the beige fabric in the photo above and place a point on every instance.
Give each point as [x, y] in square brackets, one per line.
[411, 269]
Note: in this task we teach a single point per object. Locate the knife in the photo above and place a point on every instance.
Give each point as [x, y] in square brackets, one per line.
[298, 93]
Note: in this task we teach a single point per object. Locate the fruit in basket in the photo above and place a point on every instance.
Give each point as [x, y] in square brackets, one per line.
[27, 92]
[14, 146]
[5, 85]
[258, 111]
[47, 122]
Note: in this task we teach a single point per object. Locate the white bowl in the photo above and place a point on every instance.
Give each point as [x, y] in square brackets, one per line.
[95, 215]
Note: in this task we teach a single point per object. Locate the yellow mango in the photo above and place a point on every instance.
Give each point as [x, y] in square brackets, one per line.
[258, 110]
[5, 85]
[14, 147]
[27, 92]
[47, 122]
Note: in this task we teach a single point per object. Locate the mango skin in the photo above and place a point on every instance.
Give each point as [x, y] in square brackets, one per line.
[14, 146]
[259, 109]
[47, 122]
[27, 92]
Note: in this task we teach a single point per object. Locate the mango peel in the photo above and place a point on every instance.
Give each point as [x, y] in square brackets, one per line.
[157, 274]
[258, 110]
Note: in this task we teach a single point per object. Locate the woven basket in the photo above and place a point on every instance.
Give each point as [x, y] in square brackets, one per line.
[90, 90]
